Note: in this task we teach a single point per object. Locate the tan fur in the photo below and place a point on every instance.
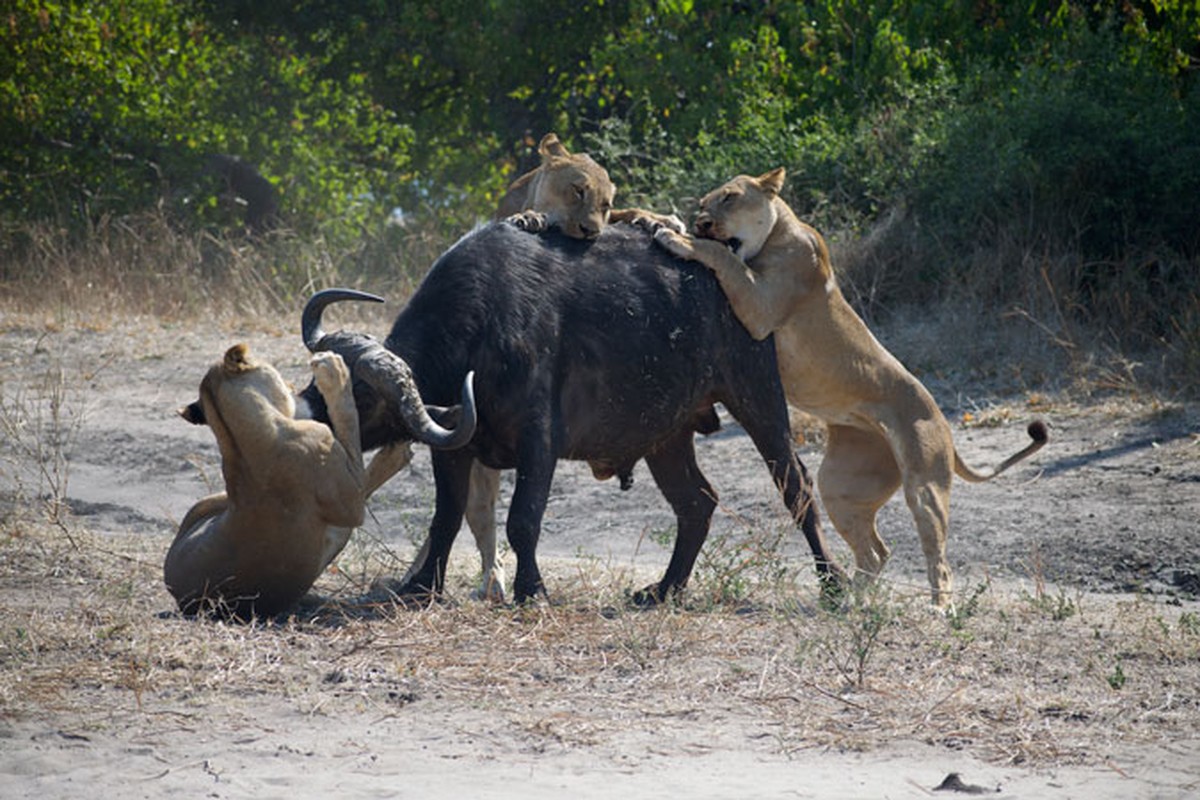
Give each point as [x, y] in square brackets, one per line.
[294, 490]
[884, 429]
[573, 193]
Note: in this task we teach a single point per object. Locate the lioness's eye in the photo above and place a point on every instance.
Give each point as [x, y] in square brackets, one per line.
[578, 191]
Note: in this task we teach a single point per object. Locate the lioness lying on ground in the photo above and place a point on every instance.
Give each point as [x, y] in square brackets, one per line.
[294, 490]
[884, 428]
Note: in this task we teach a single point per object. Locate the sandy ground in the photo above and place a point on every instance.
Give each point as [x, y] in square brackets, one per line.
[1110, 507]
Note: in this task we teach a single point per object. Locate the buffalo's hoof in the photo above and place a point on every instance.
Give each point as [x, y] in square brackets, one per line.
[410, 595]
[523, 595]
[652, 596]
[835, 587]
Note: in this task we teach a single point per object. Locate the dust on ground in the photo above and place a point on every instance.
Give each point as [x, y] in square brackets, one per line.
[1101, 525]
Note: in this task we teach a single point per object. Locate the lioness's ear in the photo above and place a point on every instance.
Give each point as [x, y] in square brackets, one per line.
[772, 182]
[235, 359]
[551, 147]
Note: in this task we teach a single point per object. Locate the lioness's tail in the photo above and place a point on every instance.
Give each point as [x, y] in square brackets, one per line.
[1037, 432]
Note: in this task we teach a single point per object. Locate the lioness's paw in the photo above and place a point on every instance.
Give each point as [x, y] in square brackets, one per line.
[655, 223]
[532, 221]
[330, 373]
[677, 244]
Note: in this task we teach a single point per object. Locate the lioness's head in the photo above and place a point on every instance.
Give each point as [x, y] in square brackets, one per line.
[742, 212]
[239, 381]
[573, 191]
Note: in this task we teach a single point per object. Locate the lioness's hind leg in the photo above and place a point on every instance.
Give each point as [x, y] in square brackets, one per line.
[929, 502]
[482, 497]
[927, 466]
[856, 478]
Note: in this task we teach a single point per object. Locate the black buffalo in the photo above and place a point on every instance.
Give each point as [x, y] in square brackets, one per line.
[608, 350]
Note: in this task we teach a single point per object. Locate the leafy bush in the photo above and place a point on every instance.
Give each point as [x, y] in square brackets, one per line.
[113, 108]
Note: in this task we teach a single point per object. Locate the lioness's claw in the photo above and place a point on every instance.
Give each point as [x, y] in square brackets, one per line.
[676, 244]
[654, 224]
[532, 221]
[675, 223]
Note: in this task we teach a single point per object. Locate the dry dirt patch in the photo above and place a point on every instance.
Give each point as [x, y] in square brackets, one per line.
[1071, 664]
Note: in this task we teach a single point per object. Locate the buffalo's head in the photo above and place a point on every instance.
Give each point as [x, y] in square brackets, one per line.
[389, 407]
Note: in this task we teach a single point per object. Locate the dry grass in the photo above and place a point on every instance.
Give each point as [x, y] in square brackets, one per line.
[130, 266]
[1034, 676]
[1016, 677]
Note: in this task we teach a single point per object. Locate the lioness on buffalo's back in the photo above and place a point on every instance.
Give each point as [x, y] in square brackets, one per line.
[885, 431]
[571, 193]
[602, 350]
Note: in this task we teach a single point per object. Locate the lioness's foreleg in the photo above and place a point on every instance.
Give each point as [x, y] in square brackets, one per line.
[384, 464]
[762, 301]
[647, 220]
[529, 220]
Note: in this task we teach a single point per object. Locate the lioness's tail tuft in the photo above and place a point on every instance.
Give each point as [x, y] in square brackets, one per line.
[1037, 432]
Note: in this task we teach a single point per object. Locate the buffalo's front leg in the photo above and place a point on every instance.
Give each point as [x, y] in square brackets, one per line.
[451, 476]
[535, 470]
[692, 498]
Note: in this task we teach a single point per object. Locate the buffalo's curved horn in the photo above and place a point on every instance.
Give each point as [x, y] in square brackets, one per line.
[387, 374]
[310, 320]
[390, 376]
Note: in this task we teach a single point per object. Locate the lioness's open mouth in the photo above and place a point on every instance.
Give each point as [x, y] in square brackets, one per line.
[733, 242]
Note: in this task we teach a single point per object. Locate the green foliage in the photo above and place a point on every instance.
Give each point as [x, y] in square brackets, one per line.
[1117, 678]
[110, 108]
[1052, 142]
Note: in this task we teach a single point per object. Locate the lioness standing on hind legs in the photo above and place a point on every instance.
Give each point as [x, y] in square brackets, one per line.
[294, 489]
[885, 431]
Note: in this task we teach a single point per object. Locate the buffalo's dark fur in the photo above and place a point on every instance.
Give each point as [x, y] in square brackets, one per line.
[609, 350]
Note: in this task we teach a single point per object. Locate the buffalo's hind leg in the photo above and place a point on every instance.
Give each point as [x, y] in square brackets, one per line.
[693, 500]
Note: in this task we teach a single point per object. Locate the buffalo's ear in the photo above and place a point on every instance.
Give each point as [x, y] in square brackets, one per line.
[772, 182]
[551, 147]
[193, 413]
